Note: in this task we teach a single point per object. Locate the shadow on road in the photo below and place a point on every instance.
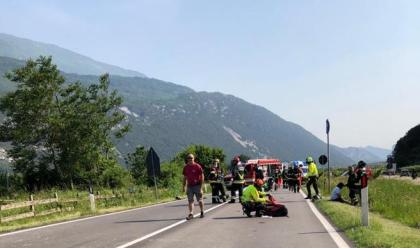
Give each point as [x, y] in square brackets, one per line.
[186, 204]
[292, 201]
[230, 218]
[150, 220]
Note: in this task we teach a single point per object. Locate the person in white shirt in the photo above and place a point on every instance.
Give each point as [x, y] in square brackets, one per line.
[336, 193]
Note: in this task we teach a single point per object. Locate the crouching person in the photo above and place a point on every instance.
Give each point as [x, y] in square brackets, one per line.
[253, 199]
[336, 193]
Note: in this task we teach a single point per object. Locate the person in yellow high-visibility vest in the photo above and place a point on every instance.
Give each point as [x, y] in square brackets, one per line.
[254, 199]
[313, 178]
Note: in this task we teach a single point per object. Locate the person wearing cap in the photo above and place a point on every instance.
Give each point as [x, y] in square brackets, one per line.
[193, 185]
[312, 178]
[254, 198]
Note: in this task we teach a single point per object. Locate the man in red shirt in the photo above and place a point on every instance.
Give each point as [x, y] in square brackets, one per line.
[193, 185]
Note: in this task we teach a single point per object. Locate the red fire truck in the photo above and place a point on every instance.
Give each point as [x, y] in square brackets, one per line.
[268, 168]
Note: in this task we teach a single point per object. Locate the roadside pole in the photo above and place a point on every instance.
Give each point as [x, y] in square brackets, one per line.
[328, 153]
[154, 179]
[365, 200]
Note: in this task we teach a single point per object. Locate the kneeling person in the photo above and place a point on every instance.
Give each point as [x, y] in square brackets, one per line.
[254, 199]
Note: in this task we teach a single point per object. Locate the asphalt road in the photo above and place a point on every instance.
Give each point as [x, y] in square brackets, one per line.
[224, 226]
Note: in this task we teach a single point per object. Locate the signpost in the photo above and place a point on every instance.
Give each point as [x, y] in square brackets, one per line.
[328, 152]
[153, 167]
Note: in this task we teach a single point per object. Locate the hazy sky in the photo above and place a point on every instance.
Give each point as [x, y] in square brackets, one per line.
[354, 62]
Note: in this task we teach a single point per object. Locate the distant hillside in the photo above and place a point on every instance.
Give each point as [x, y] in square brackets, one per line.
[368, 154]
[67, 61]
[379, 152]
[170, 117]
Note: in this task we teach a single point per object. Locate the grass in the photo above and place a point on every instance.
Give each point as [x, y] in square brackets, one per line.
[141, 196]
[396, 200]
[381, 232]
[394, 216]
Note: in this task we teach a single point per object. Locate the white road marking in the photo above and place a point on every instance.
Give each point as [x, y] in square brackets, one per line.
[164, 229]
[330, 229]
[82, 219]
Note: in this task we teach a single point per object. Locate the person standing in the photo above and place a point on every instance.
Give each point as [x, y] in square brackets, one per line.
[313, 178]
[237, 185]
[193, 185]
[216, 183]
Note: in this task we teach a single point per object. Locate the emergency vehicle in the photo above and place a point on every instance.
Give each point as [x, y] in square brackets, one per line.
[267, 167]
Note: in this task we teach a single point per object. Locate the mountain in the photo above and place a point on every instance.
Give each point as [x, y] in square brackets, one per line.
[170, 117]
[368, 154]
[379, 152]
[66, 60]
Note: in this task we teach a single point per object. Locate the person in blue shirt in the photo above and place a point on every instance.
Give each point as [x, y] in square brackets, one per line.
[336, 193]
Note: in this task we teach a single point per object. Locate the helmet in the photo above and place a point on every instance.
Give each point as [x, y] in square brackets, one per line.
[217, 160]
[309, 160]
[237, 159]
[361, 164]
[259, 182]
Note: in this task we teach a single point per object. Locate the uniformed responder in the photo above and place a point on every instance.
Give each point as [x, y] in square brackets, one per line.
[237, 184]
[312, 178]
[254, 199]
[216, 183]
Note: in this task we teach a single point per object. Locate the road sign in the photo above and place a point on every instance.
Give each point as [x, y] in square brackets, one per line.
[153, 167]
[327, 126]
[152, 163]
[323, 159]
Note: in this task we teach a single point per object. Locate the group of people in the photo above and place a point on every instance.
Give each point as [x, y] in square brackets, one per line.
[252, 195]
[353, 184]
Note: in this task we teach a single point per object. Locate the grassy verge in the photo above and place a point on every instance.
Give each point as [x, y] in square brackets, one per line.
[141, 197]
[396, 200]
[381, 232]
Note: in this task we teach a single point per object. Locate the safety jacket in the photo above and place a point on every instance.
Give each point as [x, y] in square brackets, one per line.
[239, 178]
[312, 170]
[251, 194]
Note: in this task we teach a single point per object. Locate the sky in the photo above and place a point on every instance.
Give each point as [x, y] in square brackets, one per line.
[356, 63]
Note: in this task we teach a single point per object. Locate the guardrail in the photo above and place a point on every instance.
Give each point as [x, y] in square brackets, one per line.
[31, 203]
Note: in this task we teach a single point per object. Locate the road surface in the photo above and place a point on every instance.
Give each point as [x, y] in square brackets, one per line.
[224, 226]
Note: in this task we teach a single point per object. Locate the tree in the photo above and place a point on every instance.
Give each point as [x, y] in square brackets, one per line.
[136, 163]
[60, 132]
[204, 155]
[407, 149]
[28, 123]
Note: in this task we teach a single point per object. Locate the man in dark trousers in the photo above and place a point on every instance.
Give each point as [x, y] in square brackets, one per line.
[193, 185]
[313, 178]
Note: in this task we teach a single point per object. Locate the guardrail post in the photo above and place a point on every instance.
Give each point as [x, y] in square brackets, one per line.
[31, 198]
[92, 202]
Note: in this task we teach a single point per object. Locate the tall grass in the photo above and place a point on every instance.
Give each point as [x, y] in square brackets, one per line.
[380, 233]
[394, 199]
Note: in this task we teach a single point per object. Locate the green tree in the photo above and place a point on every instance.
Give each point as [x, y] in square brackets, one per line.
[59, 132]
[28, 123]
[204, 155]
[136, 163]
[407, 150]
